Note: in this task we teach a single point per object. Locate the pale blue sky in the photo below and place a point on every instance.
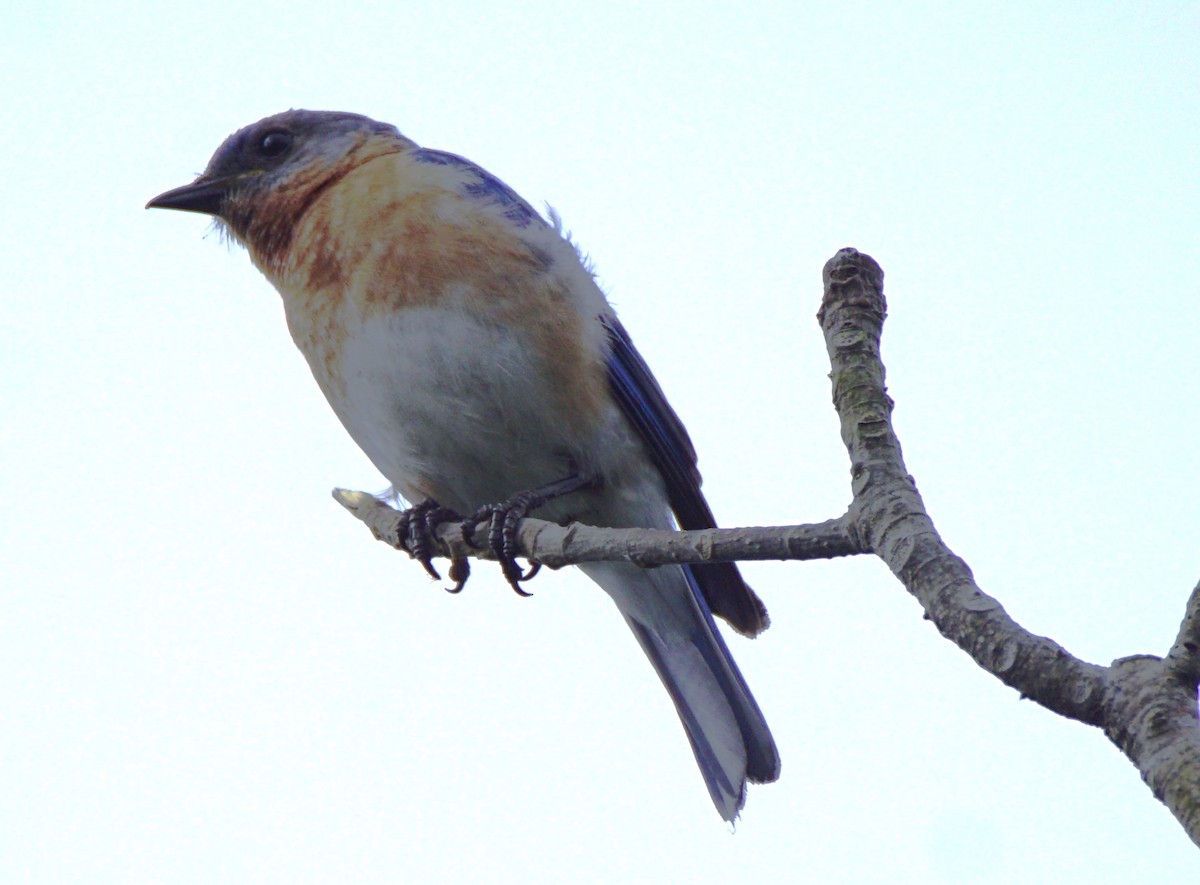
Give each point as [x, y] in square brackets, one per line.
[212, 674]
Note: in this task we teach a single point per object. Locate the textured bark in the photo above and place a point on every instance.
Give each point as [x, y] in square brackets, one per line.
[1146, 705]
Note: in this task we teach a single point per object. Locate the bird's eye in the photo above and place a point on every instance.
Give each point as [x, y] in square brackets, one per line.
[274, 143]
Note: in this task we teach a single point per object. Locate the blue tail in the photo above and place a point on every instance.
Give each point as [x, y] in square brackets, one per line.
[729, 736]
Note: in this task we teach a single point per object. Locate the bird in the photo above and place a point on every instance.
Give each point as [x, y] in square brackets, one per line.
[464, 343]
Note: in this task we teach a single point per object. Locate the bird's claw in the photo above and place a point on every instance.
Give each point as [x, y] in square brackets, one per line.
[460, 570]
[502, 520]
[416, 529]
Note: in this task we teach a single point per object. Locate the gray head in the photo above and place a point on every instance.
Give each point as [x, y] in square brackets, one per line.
[270, 152]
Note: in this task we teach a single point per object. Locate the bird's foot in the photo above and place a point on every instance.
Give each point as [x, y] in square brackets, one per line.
[502, 520]
[416, 530]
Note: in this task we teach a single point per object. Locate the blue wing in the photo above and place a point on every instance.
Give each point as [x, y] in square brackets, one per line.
[671, 450]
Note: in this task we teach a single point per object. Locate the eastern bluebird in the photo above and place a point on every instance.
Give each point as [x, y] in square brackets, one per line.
[466, 347]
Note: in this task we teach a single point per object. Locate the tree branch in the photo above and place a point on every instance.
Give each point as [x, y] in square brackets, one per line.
[1145, 705]
[1184, 657]
[555, 546]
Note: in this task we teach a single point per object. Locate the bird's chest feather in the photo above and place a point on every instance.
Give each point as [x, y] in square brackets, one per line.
[466, 361]
[450, 400]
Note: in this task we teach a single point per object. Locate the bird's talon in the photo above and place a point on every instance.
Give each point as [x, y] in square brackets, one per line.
[416, 531]
[514, 575]
[460, 570]
[502, 522]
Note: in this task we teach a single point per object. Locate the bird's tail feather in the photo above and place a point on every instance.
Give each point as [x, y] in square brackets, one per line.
[727, 731]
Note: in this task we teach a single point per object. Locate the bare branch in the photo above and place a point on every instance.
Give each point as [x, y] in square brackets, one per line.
[1184, 657]
[1145, 705]
[555, 546]
[890, 517]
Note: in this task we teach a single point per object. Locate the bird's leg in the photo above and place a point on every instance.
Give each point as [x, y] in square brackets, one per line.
[416, 529]
[503, 519]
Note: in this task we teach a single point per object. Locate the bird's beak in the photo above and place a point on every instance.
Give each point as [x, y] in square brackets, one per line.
[202, 195]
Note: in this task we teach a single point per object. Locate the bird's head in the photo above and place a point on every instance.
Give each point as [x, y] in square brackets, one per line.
[263, 177]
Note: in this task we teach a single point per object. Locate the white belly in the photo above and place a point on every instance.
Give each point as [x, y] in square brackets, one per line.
[448, 407]
[452, 407]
